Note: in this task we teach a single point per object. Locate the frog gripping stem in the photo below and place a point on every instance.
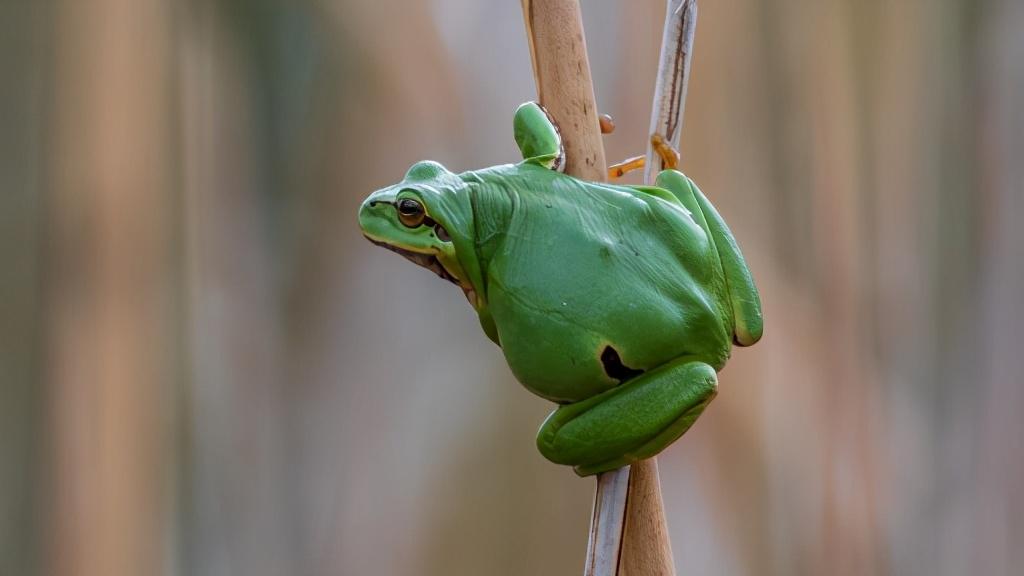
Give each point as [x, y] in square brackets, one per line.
[618, 303]
[537, 137]
[633, 536]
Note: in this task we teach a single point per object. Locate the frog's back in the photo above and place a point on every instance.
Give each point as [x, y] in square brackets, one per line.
[590, 282]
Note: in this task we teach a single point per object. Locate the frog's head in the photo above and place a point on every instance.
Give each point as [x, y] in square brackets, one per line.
[427, 217]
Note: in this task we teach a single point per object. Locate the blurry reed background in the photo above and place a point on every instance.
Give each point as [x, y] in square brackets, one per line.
[205, 369]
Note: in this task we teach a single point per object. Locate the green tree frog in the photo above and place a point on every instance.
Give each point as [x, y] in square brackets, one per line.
[619, 303]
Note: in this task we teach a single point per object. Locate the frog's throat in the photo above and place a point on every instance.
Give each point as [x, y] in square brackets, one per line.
[431, 262]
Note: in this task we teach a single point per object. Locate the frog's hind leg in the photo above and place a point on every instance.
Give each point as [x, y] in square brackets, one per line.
[631, 422]
[746, 303]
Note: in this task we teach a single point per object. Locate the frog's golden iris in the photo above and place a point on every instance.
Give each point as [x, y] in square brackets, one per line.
[411, 212]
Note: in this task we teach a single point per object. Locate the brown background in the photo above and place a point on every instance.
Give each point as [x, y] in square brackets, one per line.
[205, 370]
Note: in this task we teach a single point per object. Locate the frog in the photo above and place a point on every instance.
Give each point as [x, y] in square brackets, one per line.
[619, 303]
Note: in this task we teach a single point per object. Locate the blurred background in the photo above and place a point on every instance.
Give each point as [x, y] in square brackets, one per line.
[204, 368]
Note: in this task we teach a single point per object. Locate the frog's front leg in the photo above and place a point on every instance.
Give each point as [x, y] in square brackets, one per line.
[630, 422]
[537, 137]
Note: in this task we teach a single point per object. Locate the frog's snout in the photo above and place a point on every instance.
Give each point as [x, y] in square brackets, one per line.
[366, 206]
[367, 211]
[376, 219]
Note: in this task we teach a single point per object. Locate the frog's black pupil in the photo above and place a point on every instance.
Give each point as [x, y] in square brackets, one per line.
[409, 207]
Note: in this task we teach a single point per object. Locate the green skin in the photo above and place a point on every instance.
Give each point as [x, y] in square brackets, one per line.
[620, 303]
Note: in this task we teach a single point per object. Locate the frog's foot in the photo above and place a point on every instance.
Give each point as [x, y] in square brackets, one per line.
[631, 422]
[669, 159]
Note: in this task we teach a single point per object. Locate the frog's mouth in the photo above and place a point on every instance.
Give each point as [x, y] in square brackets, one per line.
[430, 262]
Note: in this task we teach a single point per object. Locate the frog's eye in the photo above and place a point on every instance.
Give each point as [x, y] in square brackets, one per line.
[411, 212]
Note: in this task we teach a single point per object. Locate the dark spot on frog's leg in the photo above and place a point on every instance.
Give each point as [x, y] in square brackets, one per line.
[614, 367]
